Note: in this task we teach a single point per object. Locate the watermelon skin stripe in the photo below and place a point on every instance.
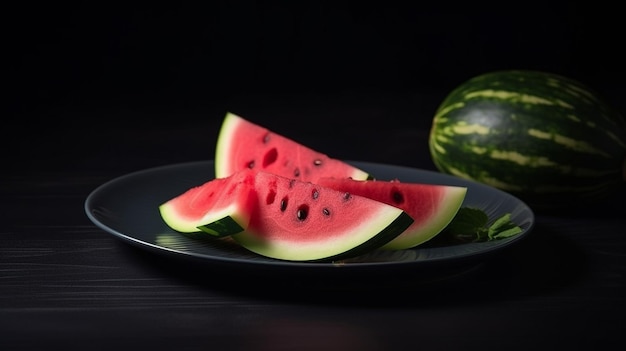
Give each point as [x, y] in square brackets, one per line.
[606, 130]
[556, 187]
[569, 143]
[478, 130]
[510, 97]
[534, 134]
[501, 161]
[484, 144]
[578, 130]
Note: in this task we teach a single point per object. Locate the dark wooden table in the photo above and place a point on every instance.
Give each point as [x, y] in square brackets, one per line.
[66, 284]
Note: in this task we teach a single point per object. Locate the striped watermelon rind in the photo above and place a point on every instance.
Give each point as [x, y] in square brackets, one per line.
[546, 138]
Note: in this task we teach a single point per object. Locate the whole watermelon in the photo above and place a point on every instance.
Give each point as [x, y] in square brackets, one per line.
[546, 138]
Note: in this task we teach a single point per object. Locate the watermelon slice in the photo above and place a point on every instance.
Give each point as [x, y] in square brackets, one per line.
[220, 207]
[242, 144]
[290, 220]
[431, 206]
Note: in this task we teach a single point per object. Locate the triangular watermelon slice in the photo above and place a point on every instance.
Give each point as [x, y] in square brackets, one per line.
[292, 220]
[220, 207]
[242, 144]
[432, 206]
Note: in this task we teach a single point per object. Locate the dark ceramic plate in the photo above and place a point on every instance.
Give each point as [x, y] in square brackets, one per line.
[127, 207]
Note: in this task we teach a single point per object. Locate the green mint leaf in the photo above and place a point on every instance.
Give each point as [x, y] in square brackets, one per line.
[468, 220]
[472, 225]
[507, 233]
[503, 227]
[468, 225]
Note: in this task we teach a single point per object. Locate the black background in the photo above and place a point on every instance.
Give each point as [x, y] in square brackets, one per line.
[82, 64]
[96, 90]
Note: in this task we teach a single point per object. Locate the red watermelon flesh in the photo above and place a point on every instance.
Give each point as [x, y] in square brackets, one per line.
[285, 218]
[302, 221]
[219, 207]
[242, 144]
[431, 206]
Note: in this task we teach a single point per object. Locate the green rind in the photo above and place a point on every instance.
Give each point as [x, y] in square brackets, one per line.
[394, 225]
[221, 223]
[400, 224]
[450, 205]
[541, 136]
[225, 226]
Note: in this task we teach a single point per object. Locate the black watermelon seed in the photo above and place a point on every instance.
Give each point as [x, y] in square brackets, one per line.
[303, 212]
[396, 196]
